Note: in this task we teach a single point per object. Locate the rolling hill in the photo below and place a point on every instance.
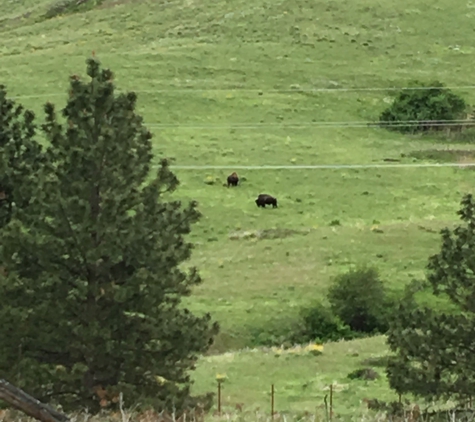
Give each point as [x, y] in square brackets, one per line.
[236, 86]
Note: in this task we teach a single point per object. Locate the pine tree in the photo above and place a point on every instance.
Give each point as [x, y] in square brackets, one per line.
[434, 345]
[94, 287]
[20, 156]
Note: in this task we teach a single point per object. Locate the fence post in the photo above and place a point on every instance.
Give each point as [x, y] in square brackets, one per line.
[331, 401]
[220, 378]
[219, 397]
[272, 401]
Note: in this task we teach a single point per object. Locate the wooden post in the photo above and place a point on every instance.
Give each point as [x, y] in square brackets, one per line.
[30, 406]
[219, 397]
[272, 401]
[331, 401]
[400, 398]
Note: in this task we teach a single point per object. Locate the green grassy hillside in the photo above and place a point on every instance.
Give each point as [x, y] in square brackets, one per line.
[221, 83]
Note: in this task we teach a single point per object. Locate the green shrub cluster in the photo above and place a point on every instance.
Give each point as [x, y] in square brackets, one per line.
[359, 304]
[424, 109]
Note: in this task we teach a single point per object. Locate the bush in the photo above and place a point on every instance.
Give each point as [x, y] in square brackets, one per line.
[359, 299]
[319, 324]
[63, 7]
[271, 334]
[426, 108]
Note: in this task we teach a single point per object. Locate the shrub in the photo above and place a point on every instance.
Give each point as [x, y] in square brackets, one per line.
[427, 109]
[62, 7]
[368, 374]
[274, 332]
[318, 323]
[359, 299]
[268, 336]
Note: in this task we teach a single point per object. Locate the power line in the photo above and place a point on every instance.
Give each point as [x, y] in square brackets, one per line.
[264, 91]
[431, 123]
[296, 90]
[320, 167]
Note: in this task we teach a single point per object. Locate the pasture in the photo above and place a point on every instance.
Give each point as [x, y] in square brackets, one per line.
[256, 84]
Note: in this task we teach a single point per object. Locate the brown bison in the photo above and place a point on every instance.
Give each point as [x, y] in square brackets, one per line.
[233, 179]
[263, 199]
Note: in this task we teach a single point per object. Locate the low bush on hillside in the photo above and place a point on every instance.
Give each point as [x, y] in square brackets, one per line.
[268, 336]
[62, 7]
[424, 107]
[319, 323]
[314, 323]
[359, 305]
[360, 300]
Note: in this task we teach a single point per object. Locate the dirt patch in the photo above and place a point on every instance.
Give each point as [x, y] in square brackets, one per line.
[266, 234]
[465, 161]
[113, 3]
[379, 361]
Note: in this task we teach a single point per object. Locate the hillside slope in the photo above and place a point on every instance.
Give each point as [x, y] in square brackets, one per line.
[254, 83]
[184, 58]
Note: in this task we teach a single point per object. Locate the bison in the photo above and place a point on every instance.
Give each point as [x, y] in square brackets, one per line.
[263, 199]
[233, 179]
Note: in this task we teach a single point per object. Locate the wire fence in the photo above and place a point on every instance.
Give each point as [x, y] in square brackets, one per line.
[328, 405]
[453, 123]
[264, 90]
[317, 166]
[321, 124]
[328, 401]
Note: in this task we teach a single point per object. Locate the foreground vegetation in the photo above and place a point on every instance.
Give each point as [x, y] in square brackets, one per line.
[215, 65]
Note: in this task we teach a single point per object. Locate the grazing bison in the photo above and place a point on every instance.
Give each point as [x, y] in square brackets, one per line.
[233, 179]
[263, 199]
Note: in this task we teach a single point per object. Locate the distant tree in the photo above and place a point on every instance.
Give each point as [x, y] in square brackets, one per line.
[20, 156]
[424, 107]
[360, 300]
[91, 304]
[434, 347]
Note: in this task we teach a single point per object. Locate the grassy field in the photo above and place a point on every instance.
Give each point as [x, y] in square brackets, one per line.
[218, 84]
[300, 380]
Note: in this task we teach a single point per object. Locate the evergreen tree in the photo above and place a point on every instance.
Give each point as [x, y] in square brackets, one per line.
[435, 345]
[20, 156]
[94, 289]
